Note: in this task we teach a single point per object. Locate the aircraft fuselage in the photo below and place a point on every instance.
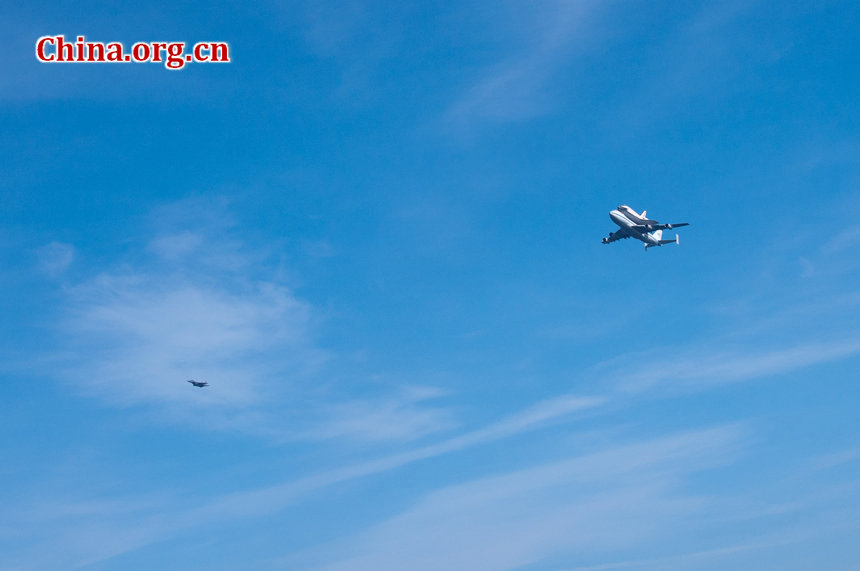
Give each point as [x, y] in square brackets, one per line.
[629, 227]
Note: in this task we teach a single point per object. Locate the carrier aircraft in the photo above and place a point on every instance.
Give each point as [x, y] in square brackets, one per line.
[639, 226]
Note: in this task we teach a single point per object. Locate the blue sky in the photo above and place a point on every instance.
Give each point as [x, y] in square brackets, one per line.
[376, 233]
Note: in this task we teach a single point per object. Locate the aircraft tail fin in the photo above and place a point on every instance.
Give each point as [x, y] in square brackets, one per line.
[658, 235]
[645, 219]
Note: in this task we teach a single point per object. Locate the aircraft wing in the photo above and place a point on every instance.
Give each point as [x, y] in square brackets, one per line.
[652, 227]
[613, 236]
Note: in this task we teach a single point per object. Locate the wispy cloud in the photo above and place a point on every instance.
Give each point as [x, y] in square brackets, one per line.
[700, 60]
[683, 560]
[354, 40]
[516, 87]
[177, 307]
[835, 459]
[82, 531]
[847, 238]
[639, 497]
[198, 302]
[55, 258]
[274, 498]
[595, 488]
[178, 245]
[585, 505]
[399, 417]
[87, 531]
[142, 334]
[701, 367]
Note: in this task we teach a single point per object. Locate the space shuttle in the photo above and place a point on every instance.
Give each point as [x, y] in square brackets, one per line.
[635, 218]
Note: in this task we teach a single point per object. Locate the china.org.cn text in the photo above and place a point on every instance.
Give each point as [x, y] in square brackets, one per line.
[56, 49]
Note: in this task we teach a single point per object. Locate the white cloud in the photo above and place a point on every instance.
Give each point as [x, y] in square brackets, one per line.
[586, 505]
[176, 246]
[271, 499]
[200, 303]
[516, 87]
[835, 459]
[87, 531]
[189, 304]
[397, 417]
[318, 249]
[55, 258]
[845, 239]
[699, 60]
[677, 368]
[330, 29]
[139, 336]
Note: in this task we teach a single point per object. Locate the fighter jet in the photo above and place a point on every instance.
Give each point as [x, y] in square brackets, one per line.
[198, 383]
[639, 226]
